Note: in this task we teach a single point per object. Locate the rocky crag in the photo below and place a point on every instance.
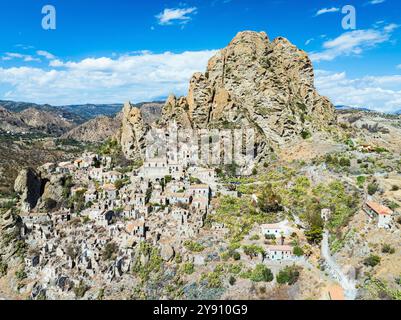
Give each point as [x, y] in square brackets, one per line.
[255, 83]
[133, 132]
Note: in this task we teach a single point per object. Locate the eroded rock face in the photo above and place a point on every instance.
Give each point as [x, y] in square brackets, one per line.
[167, 252]
[10, 229]
[259, 84]
[133, 132]
[28, 185]
[95, 130]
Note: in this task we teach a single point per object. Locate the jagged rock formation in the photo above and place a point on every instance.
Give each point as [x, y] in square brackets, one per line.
[258, 83]
[95, 130]
[10, 227]
[28, 185]
[133, 132]
[151, 111]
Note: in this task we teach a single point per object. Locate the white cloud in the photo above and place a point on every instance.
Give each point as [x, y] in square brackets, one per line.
[353, 43]
[381, 93]
[141, 77]
[399, 66]
[373, 2]
[179, 15]
[309, 41]
[327, 10]
[15, 55]
[45, 54]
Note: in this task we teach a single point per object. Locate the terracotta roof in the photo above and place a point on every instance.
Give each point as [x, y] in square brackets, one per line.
[379, 209]
[280, 248]
[109, 187]
[199, 186]
[271, 226]
[336, 293]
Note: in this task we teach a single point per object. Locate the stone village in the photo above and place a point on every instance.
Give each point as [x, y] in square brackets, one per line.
[165, 202]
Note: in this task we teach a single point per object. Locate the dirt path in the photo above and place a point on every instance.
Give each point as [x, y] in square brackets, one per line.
[335, 271]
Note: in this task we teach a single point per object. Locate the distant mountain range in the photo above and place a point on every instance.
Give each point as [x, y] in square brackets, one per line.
[342, 107]
[75, 113]
[87, 122]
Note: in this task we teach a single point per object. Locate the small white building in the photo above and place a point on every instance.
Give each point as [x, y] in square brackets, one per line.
[179, 197]
[279, 253]
[111, 176]
[199, 190]
[91, 195]
[276, 229]
[326, 214]
[155, 169]
[96, 174]
[377, 211]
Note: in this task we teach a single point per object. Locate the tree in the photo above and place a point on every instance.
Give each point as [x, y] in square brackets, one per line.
[314, 234]
[252, 251]
[372, 188]
[261, 273]
[269, 201]
[372, 261]
[289, 275]
[298, 251]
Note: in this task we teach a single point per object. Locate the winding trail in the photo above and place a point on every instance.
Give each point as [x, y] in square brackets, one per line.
[335, 271]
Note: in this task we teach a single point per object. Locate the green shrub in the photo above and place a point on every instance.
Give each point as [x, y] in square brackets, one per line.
[21, 274]
[298, 251]
[261, 273]
[193, 246]
[361, 181]
[253, 251]
[270, 237]
[188, 268]
[386, 248]
[314, 234]
[372, 188]
[232, 280]
[110, 251]
[80, 290]
[3, 268]
[289, 275]
[372, 261]
[236, 255]
[305, 134]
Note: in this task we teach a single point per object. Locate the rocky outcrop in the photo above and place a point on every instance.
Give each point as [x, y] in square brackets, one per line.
[167, 252]
[133, 132]
[10, 230]
[28, 185]
[176, 109]
[255, 83]
[95, 130]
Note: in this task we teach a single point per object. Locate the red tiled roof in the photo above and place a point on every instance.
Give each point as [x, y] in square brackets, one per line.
[378, 208]
[336, 293]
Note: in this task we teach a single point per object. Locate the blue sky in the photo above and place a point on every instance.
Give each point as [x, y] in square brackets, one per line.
[112, 51]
